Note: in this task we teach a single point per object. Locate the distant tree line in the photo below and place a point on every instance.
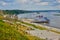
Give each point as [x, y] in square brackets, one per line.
[25, 11]
[16, 12]
[13, 12]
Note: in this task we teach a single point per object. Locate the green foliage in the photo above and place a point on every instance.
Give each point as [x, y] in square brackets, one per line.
[9, 33]
[11, 12]
[41, 28]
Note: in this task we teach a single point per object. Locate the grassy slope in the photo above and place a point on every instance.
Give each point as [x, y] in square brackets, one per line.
[38, 27]
[9, 33]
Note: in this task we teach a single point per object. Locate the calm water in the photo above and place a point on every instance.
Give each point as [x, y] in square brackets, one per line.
[52, 16]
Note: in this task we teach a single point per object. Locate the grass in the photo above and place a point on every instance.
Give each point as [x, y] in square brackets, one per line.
[17, 31]
[55, 31]
[22, 29]
[9, 33]
[14, 32]
[38, 27]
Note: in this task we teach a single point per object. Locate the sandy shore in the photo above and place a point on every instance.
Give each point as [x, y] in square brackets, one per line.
[45, 34]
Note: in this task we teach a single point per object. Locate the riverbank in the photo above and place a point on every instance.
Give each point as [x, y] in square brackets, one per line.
[44, 26]
[41, 31]
[26, 30]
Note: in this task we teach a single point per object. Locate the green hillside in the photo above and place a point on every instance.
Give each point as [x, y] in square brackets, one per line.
[10, 30]
[9, 33]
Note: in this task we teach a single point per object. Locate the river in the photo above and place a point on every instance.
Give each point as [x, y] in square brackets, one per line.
[54, 17]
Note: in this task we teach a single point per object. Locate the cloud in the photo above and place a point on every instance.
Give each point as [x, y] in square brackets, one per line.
[8, 1]
[42, 3]
[58, 1]
[39, 2]
[21, 1]
[30, 4]
[3, 3]
[36, 1]
[58, 6]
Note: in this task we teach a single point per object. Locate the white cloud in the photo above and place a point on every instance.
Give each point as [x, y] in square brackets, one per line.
[58, 6]
[21, 1]
[3, 3]
[42, 3]
[36, 0]
[58, 1]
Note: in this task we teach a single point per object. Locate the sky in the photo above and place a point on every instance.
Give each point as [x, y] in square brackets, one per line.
[30, 4]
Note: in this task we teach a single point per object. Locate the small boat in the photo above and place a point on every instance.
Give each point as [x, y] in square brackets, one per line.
[42, 20]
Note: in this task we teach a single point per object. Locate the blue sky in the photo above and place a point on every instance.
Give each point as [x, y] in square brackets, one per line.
[30, 4]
